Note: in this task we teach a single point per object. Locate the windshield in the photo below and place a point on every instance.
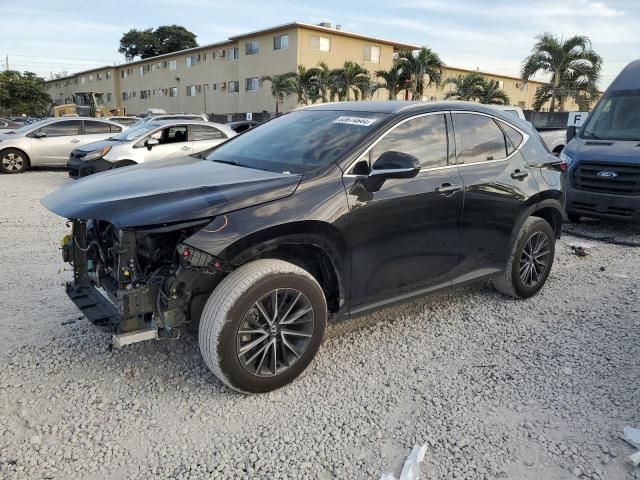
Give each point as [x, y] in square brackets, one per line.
[616, 117]
[299, 141]
[135, 132]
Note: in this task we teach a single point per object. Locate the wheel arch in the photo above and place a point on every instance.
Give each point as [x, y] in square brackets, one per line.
[549, 209]
[316, 246]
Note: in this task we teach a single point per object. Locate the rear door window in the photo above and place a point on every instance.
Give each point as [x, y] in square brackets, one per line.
[205, 132]
[478, 138]
[92, 127]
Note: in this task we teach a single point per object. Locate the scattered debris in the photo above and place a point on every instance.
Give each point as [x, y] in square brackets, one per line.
[632, 437]
[411, 468]
[580, 251]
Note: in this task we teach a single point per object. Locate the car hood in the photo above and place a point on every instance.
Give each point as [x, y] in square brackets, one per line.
[90, 147]
[604, 151]
[168, 191]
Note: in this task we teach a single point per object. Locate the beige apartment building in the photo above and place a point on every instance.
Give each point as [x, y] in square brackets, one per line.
[222, 79]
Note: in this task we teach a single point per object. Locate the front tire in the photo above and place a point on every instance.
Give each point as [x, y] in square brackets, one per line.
[530, 261]
[262, 325]
[13, 161]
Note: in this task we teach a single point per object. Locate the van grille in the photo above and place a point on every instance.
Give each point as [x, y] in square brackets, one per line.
[627, 182]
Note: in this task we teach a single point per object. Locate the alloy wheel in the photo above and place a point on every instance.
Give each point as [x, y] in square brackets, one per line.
[12, 162]
[275, 332]
[535, 259]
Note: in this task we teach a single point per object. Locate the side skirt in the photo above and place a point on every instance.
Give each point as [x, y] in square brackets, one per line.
[468, 278]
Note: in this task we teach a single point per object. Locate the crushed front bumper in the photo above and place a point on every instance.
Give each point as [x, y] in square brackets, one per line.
[98, 310]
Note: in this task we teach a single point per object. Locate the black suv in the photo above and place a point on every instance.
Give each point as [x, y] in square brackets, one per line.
[321, 214]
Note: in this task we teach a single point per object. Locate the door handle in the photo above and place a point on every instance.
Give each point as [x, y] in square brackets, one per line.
[185, 148]
[448, 188]
[518, 175]
[75, 140]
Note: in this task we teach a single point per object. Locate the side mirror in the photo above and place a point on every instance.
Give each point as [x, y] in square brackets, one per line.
[151, 142]
[571, 132]
[395, 165]
[39, 134]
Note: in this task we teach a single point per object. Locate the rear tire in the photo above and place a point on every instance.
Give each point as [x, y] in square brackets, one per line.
[530, 261]
[13, 160]
[248, 344]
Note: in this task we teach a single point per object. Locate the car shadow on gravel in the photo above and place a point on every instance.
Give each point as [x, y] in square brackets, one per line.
[606, 231]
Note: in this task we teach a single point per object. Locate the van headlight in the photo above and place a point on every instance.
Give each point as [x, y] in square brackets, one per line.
[564, 158]
[96, 154]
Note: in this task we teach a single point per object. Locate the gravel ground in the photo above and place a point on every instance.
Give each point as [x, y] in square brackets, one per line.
[498, 388]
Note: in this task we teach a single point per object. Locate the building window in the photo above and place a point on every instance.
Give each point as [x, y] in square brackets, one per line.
[251, 84]
[316, 42]
[145, 93]
[108, 96]
[371, 54]
[173, 65]
[191, 61]
[205, 57]
[500, 84]
[192, 90]
[90, 78]
[108, 75]
[214, 87]
[251, 48]
[173, 92]
[141, 71]
[125, 96]
[281, 42]
[98, 77]
[123, 74]
[234, 87]
[233, 53]
[83, 80]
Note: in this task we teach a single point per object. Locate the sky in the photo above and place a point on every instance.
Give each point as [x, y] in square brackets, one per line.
[51, 36]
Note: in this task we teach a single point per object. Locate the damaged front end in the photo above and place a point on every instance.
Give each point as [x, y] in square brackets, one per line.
[136, 281]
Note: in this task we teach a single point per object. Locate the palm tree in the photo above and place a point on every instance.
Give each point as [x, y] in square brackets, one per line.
[367, 87]
[420, 64]
[394, 79]
[345, 80]
[322, 85]
[573, 65]
[466, 88]
[492, 94]
[282, 85]
[304, 81]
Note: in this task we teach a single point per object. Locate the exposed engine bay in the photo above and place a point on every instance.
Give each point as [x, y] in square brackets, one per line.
[150, 278]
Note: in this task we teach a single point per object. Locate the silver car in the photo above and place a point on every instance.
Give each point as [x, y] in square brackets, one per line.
[50, 142]
[198, 117]
[147, 142]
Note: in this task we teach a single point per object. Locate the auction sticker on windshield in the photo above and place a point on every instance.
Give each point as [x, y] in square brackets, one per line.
[363, 122]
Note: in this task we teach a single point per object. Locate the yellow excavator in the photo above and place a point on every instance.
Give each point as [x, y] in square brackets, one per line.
[87, 104]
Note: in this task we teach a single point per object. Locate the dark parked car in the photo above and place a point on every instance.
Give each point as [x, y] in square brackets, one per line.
[6, 124]
[324, 213]
[604, 156]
